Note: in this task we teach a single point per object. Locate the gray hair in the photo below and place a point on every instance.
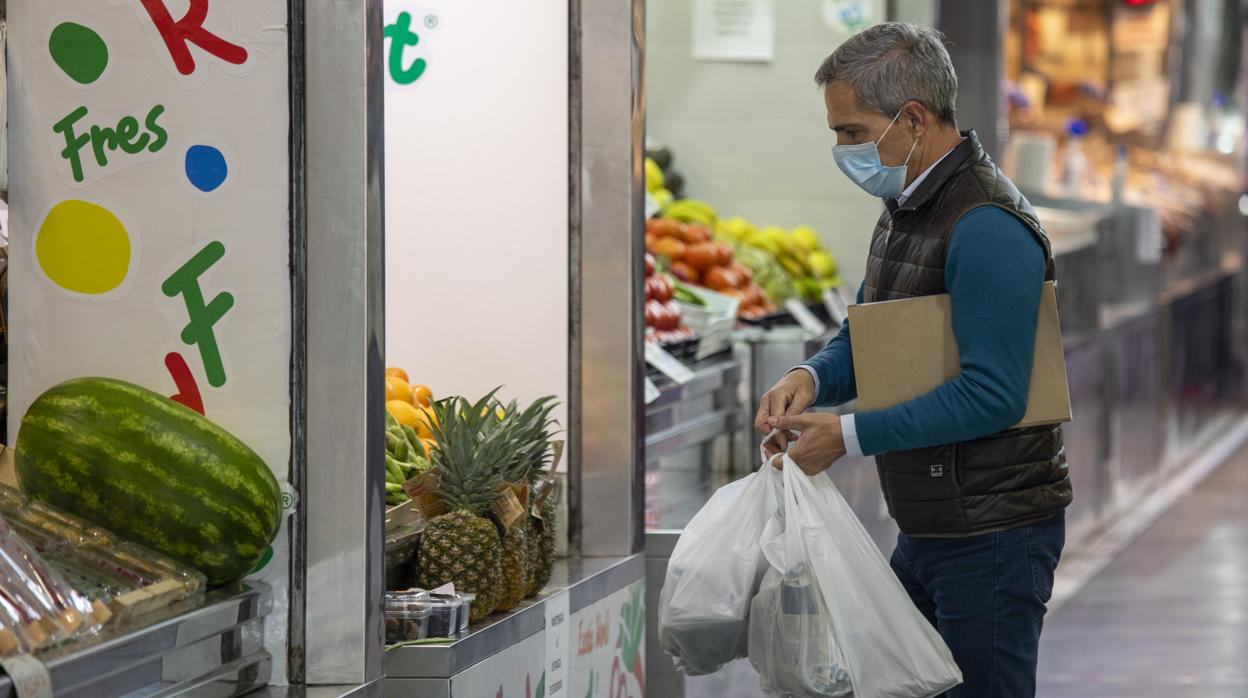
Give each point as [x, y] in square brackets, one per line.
[890, 64]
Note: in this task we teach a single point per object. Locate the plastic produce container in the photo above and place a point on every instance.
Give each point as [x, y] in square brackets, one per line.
[407, 616]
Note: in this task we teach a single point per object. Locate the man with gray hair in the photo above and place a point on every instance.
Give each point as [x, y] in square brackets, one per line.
[980, 505]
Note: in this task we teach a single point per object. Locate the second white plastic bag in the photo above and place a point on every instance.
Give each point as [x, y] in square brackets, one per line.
[713, 574]
[831, 620]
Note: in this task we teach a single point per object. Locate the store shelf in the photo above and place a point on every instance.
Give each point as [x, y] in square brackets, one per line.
[586, 580]
[212, 648]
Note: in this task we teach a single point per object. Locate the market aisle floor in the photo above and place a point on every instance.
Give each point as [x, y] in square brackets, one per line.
[1168, 617]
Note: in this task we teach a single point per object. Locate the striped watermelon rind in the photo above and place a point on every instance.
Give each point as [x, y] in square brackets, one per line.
[152, 470]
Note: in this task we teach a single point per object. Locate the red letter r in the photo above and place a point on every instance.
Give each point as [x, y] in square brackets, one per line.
[190, 30]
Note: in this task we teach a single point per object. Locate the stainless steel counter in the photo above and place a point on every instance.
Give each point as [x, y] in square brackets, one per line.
[212, 648]
[586, 580]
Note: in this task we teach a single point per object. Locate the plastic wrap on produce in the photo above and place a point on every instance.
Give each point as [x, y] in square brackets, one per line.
[149, 200]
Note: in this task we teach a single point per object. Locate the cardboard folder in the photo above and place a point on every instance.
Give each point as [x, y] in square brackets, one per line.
[904, 349]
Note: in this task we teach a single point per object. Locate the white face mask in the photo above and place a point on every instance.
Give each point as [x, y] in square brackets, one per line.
[861, 163]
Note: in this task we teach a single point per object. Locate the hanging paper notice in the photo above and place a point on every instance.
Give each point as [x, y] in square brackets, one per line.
[734, 30]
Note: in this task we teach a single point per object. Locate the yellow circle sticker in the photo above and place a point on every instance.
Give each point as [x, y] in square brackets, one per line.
[83, 248]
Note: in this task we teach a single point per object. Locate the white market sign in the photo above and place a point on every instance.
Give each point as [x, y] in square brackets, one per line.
[150, 231]
[734, 30]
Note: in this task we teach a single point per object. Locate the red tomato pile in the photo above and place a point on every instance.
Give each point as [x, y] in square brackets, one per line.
[663, 316]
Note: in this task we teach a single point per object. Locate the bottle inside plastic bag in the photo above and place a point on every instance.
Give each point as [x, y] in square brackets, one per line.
[790, 633]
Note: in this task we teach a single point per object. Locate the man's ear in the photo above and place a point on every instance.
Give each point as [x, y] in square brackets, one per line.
[916, 117]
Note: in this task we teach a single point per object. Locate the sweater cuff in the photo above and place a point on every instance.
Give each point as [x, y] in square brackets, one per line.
[849, 432]
[872, 432]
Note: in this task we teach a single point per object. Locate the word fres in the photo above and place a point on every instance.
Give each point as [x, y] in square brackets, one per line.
[128, 135]
[401, 37]
[202, 317]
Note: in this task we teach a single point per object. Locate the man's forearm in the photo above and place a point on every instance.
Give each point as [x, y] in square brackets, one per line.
[833, 369]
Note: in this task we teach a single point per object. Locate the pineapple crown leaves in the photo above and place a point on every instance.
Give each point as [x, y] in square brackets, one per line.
[473, 451]
[530, 430]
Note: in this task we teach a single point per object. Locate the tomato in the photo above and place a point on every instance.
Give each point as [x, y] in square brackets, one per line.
[701, 256]
[697, 233]
[649, 264]
[674, 315]
[723, 254]
[664, 289]
[685, 273]
[655, 314]
[721, 279]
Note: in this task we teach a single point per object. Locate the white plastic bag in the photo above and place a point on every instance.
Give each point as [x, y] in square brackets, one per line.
[713, 574]
[831, 619]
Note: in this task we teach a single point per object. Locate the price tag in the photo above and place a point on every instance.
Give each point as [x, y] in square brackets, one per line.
[423, 489]
[667, 364]
[30, 676]
[804, 317]
[507, 507]
[652, 391]
[835, 305]
[558, 644]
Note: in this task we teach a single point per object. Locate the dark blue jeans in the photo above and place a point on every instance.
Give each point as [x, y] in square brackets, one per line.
[986, 595]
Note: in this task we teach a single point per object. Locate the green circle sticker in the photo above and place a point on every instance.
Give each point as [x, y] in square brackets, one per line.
[79, 51]
[264, 560]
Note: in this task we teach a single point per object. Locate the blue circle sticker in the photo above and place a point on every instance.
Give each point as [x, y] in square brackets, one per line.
[206, 168]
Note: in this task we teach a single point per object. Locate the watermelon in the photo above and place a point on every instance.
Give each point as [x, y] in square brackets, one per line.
[151, 470]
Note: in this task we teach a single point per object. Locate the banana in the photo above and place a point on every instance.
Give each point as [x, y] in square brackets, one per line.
[793, 266]
[692, 211]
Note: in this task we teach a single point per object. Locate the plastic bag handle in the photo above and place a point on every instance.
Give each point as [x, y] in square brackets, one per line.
[762, 451]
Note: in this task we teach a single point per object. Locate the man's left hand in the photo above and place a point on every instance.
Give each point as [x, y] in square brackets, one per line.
[820, 444]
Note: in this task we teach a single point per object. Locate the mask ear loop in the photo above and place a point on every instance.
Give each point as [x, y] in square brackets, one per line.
[890, 126]
[916, 144]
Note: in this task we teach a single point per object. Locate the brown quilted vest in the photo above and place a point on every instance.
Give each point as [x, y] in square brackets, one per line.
[1003, 481]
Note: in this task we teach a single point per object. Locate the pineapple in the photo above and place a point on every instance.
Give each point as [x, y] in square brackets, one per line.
[463, 546]
[528, 435]
[545, 530]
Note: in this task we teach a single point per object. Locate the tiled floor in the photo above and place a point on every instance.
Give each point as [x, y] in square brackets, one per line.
[1168, 617]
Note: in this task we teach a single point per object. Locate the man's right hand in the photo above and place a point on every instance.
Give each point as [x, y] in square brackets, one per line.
[790, 396]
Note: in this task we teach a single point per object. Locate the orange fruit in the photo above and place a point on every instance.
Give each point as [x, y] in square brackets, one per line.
[397, 372]
[404, 413]
[421, 395]
[425, 421]
[397, 389]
